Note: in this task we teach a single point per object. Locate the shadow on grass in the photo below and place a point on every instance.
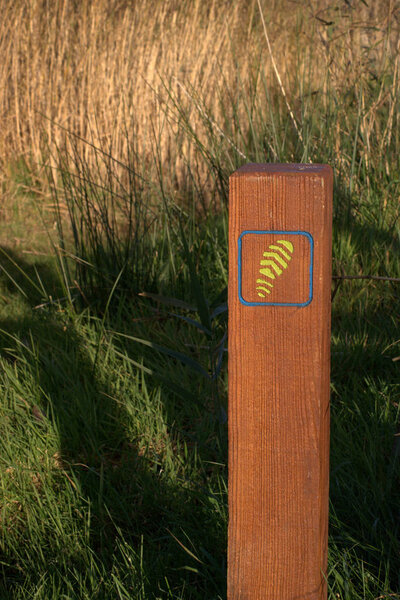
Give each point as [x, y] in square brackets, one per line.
[365, 463]
[166, 519]
[163, 521]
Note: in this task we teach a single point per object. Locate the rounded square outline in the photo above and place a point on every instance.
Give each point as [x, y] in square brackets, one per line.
[301, 304]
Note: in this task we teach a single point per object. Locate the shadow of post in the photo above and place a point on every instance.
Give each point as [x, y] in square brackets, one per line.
[130, 500]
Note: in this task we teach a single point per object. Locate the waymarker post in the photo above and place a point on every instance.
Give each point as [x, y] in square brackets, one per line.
[280, 229]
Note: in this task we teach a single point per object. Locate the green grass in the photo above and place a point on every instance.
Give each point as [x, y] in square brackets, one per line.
[113, 443]
[113, 479]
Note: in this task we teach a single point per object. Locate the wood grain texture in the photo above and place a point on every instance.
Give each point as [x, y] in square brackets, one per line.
[279, 360]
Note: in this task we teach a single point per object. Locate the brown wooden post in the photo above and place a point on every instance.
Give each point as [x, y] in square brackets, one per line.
[280, 229]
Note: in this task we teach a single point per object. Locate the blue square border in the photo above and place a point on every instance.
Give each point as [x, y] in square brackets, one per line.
[300, 304]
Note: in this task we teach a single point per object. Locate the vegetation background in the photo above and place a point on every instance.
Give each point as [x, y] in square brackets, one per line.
[120, 123]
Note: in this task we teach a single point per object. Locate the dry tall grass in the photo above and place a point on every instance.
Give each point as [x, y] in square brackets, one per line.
[104, 69]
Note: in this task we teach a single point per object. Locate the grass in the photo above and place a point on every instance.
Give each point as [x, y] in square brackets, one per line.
[113, 242]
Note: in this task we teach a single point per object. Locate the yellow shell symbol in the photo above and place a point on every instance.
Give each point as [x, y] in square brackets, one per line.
[274, 262]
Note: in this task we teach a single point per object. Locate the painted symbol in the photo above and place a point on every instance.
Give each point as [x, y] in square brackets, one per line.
[273, 263]
[275, 268]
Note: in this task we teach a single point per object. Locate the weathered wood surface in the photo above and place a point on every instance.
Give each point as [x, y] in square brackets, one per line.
[279, 359]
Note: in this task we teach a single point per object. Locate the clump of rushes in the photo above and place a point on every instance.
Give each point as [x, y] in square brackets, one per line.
[110, 239]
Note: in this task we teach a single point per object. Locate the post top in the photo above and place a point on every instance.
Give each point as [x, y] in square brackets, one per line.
[284, 168]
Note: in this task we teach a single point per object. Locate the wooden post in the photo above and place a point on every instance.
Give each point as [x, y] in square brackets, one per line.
[279, 354]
